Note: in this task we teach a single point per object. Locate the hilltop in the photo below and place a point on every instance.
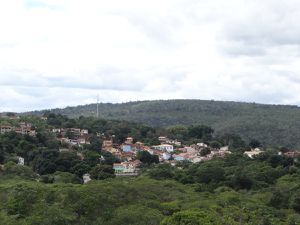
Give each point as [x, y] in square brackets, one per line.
[277, 125]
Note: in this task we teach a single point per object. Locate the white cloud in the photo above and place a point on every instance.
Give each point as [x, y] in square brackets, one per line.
[55, 53]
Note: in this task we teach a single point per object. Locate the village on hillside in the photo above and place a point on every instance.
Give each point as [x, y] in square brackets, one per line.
[168, 151]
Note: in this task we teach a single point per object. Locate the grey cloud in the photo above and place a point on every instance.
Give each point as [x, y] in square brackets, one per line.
[268, 25]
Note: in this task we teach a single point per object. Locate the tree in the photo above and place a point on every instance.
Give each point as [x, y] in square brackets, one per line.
[92, 158]
[201, 132]
[296, 203]
[254, 144]
[80, 169]
[215, 144]
[146, 157]
[96, 144]
[101, 172]
[191, 217]
[109, 158]
[179, 132]
[205, 151]
[162, 171]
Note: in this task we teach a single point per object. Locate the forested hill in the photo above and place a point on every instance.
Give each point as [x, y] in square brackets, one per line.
[271, 124]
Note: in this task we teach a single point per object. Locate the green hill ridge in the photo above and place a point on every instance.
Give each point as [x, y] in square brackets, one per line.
[276, 125]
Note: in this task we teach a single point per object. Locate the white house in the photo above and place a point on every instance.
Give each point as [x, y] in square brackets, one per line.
[86, 178]
[165, 147]
[21, 161]
[253, 152]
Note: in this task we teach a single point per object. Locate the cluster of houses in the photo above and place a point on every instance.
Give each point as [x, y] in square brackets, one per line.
[169, 151]
[22, 128]
[72, 136]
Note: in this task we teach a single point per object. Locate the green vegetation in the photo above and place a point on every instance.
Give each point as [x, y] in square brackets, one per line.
[235, 190]
[140, 201]
[273, 125]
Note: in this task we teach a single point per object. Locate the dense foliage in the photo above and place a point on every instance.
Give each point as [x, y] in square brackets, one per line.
[270, 124]
[235, 190]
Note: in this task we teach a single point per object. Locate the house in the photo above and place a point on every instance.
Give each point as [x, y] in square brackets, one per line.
[129, 168]
[196, 160]
[21, 161]
[166, 156]
[164, 147]
[190, 150]
[56, 130]
[173, 142]
[44, 118]
[5, 129]
[32, 133]
[107, 144]
[73, 141]
[126, 148]
[292, 154]
[253, 152]
[139, 146]
[129, 141]
[81, 141]
[224, 148]
[75, 131]
[86, 178]
[84, 132]
[162, 139]
[202, 145]
[178, 158]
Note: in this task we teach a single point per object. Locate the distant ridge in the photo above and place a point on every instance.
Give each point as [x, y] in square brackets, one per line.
[277, 125]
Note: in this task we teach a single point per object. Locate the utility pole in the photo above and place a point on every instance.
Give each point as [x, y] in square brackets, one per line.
[98, 106]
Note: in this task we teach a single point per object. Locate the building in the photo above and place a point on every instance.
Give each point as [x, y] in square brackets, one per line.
[107, 144]
[164, 147]
[292, 154]
[21, 161]
[202, 145]
[86, 178]
[126, 168]
[163, 139]
[129, 140]
[253, 152]
[84, 132]
[126, 148]
[5, 129]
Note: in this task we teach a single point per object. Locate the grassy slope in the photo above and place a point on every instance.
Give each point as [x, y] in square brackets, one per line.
[271, 124]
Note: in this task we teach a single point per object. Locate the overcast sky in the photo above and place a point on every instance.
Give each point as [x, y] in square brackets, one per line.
[56, 53]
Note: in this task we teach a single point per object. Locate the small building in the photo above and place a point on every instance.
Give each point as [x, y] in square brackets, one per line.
[166, 156]
[126, 148]
[292, 154]
[21, 161]
[202, 145]
[163, 139]
[5, 129]
[129, 140]
[86, 178]
[164, 147]
[107, 144]
[129, 168]
[56, 130]
[178, 158]
[84, 132]
[253, 152]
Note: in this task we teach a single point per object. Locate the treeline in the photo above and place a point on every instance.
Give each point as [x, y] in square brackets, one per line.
[263, 191]
[273, 125]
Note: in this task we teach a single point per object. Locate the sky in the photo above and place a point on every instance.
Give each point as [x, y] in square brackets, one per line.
[57, 53]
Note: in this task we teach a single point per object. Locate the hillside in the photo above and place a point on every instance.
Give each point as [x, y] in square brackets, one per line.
[270, 124]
